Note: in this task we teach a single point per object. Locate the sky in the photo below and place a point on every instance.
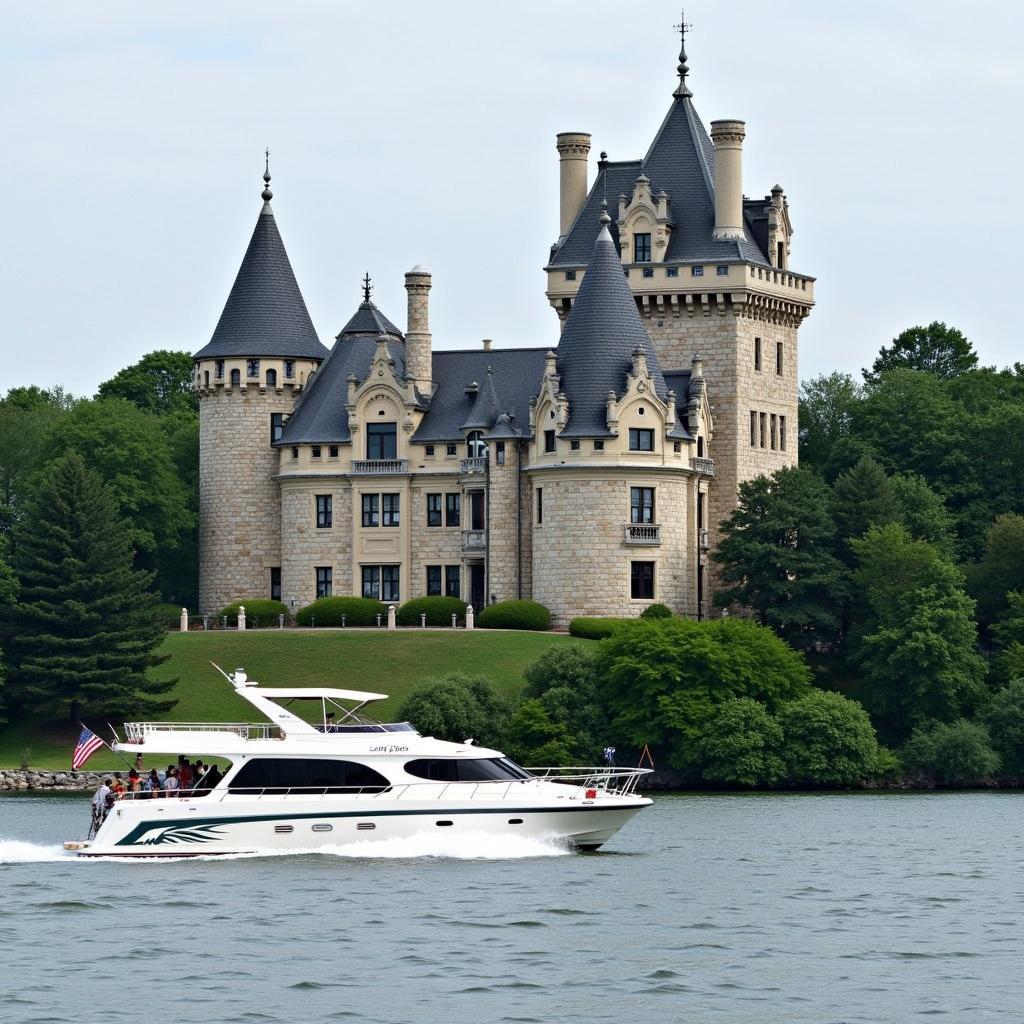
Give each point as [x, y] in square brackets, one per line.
[406, 133]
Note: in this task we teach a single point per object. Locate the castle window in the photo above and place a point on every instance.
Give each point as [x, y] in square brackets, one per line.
[324, 511]
[574, 446]
[753, 429]
[778, 358]
[452, 449]
[295, 452]
[757, 353]
[641, 504]
[206, 378]
[540, 505]
[316, 451]
[696, 271]
[371, 581]
[641, 440]
[252, 368]
[381, 582]
[271, 378]
[700, 448]
[390, 509]
[451, 581]
[671, 271]
[275, 583]
[642, 247]
[780, 257]
[722, 271]
[763, 424]
[236, 378]
[371, 510]
[774, 429]
[324, 580]
[499, 453]
[452, 508]
[641, 580]
[782, 433]
[276, 426]
[381, 441]
[220, 369]
[549, 441]
[475, 445]
[570, 275]
[433, 581]
[289, 369]
[648, 272]
[433, 510]
[429, 452]
[640, 411]
[677, 446]
[333, 451]
[599, 446]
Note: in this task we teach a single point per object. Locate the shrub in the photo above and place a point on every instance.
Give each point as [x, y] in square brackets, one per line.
[515, 615]
[327, 611]
[740, 744]
[169, 613]
[259, 609]
[438, 610]
[595, 629]
[656, 611]
[954, 753]
[457, 708]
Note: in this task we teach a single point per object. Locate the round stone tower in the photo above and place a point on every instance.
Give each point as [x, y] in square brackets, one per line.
[248, 378]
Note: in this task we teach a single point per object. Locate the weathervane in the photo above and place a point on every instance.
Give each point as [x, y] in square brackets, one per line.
[366, 287]
[682, 28]
[267, 194]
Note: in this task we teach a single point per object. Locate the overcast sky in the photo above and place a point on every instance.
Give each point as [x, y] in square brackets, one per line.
[411, 132]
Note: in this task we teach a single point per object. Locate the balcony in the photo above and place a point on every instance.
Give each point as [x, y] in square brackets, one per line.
[705, 467]
[379, 467]
[474, 464]
[474, 540]
[648, 534]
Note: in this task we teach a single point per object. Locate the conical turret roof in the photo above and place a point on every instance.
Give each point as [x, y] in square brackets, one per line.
[485, 407]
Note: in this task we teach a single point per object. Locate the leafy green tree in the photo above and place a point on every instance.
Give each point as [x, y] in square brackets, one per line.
[776, 558]
[537, 740]
[1004, 717]
[660, 682]
[740, 744]
[936, 349]
[828, 739]
[457, 707]
[1008, 634]
[160, 382]
[954, 753]
[917, 649]
[1000, 569]
[85, 630]
[827, 404]
[862, 497]
[924, 513]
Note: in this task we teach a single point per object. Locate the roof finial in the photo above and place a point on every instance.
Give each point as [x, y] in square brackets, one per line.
[604, 218]
[267, 194]
[682, 89]
[367, 287]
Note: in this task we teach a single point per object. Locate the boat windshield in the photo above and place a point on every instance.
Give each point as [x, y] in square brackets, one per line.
[466, 769]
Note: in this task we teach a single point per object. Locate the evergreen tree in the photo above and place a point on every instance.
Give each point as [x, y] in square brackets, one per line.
[936, 349]
[85, 630]
[1000, 569]
[862, 497]
[8, 593]
[776, 557]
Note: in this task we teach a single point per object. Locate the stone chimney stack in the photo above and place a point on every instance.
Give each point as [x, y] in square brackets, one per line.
[417, 333]
[573, 148]
[728, 139]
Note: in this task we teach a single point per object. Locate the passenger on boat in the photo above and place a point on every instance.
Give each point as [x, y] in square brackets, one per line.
[134, 782]
[153, 784]
[102, 801]
[171, 781]
[198, 771]
[184, 772]
[118, 787]
[138, 761]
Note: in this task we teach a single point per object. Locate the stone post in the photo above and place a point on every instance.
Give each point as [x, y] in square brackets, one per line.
[241, 617]
[184, 620]
[469, 616]
[391, 617]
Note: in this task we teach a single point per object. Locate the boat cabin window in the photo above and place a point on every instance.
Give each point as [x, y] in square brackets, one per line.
[311, 775]
[466, 769]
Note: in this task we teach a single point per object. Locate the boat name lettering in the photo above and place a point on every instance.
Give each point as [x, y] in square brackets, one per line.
[389, 748]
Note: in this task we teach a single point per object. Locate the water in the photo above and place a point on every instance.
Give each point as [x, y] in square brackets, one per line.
[781, 908]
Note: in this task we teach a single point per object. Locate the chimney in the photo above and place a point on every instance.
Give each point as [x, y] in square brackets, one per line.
[573, 148]
[728, 139]
[417, 333]
[487, 344]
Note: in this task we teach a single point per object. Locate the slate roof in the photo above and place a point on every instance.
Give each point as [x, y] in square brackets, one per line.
[486, 406]
[368, 319]
[681, 161]
[595, 352]
[265, 314]
[679, 382]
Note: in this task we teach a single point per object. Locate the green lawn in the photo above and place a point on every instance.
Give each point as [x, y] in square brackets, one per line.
[384, 662]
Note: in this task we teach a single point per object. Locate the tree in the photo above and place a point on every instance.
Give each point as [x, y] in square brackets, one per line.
[862, 497]
[937, 349]
[160, 382]
[827, 404]
[776, 558]
[740, 744]
[828, 739]
[8, 593]
[536, 740]
[86, 629]
[917, 649]
[923, 512]
[1008, 634]
[955, 753]
[457, 708]
[1004, 718]
[1000, 569]
[660, 682]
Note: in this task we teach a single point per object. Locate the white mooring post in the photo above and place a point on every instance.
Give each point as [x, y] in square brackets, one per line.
[184, 620]
[391, 617]
[469, 616]
[241, 617]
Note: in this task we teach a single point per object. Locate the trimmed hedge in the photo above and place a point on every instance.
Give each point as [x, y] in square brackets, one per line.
[358, 611]
[656, 611]
[595, 629]
[261, 608]
[439, 611]
[515, 615]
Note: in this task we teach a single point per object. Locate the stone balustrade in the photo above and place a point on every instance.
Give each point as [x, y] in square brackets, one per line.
[474, 540]
[474, 464]
[706, 467]
[379, 467]
[643, 533]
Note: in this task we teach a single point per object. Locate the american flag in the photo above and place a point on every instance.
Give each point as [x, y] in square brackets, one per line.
[88, 744]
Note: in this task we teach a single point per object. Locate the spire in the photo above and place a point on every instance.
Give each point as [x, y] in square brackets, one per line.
[485, 408]
[367, 287]
[682, 90]
[267, 195]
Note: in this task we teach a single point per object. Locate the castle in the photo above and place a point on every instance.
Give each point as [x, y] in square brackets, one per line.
[591, 477]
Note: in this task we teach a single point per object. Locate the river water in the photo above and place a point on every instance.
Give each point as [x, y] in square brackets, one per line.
[776, 908]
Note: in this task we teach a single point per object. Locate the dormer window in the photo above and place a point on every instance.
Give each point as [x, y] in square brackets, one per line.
[382, 441]
[475, 445]
[641, 440]
[549, 441]
[697, 271]
[570, 275]
[642, 247]
[252, 368]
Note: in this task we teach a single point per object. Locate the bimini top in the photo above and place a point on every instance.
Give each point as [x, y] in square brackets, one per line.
[316, 693]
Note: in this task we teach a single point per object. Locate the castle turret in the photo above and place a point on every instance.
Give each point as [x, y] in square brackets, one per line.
[263, 350]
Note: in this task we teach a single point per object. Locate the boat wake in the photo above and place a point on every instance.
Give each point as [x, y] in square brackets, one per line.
[18, 851]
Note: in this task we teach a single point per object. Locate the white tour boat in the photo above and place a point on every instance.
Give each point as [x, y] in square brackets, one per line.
[297, 785]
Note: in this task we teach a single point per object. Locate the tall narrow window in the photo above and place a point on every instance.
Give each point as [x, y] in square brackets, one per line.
[390, 515]
[324, 511]
[433, 510]
[549, 440]
[499, 453]
[324, 580]
[540, 504]
[220, 369]
[764, 428]
[381, 441]
[475, 445]
[641, 580]
[774, 427]
[271, 378]
[452, 508]
[782, 433]
[641, 440]
[275, 583]
[236, 377]
[433, 581]
[757, 353]
[641, 504]
[642, 247]
[778, 359]
[276, 426]
[371, 581]
[252, 368]
[451, 581]
[371, 510]
[289, 369]
[389, 582]
[206, 378]
[753, 429]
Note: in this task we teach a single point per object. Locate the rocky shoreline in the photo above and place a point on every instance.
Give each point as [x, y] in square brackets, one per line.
[24, 780]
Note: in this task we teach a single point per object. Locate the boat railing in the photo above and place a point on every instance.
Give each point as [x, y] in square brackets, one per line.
[138, 731]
